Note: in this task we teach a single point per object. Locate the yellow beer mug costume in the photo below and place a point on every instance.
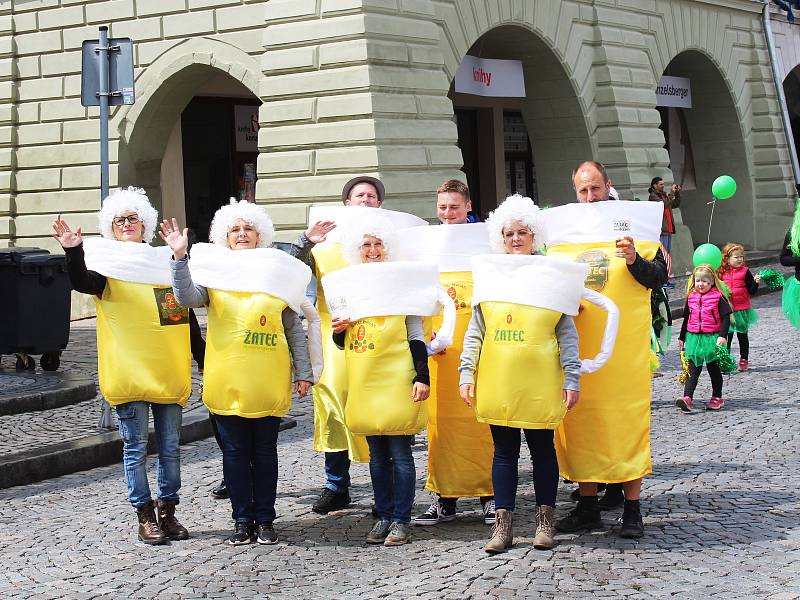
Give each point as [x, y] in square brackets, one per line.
[330, 393]
[377, 357]
[522, 298]
[606, 437]
[246, 348]
[460, 448]
[142, 334]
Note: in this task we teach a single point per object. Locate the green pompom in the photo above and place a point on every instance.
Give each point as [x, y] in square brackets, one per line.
[726, 362]
[773, 279]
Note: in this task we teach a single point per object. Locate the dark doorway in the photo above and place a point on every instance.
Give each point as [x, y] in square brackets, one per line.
[213, 169]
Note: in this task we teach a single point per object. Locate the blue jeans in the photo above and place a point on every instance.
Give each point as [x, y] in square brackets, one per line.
[666, 241]
[133, 417]
[394, 477]
[505, 469]
[250, 465]
[337, 471]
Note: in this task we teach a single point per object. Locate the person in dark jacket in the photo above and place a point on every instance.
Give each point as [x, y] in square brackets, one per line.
[671, 200]
[592, 184]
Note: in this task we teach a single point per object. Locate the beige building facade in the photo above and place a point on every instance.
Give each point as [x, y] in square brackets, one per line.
[346, 87]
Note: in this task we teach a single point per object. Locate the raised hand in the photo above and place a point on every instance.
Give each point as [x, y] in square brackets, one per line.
[318, 231]
[64, 235]
[175, 238]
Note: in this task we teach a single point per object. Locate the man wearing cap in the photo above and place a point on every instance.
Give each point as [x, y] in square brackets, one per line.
[591, 184]
[330, 394]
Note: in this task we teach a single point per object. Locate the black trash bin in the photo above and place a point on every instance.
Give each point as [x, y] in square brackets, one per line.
[34, 305]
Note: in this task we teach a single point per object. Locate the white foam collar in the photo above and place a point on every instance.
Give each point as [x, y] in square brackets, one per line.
[449, 246]
[383, 289]
[264, 270]
[579, 223]
[541, 281]
[128, 261]
[343, 215]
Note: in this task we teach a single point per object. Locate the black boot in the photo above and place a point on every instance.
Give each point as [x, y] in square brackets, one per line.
[584, 516]
[613, 497]
[632, 524]
[220, 492]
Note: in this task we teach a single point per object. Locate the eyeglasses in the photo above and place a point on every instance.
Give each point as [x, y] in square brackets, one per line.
[120, 221]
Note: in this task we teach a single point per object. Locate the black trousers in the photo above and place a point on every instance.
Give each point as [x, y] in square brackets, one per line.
[694, 374]
[744, 344]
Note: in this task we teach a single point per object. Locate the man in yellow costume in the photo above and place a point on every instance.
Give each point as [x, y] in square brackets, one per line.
[459, 448]
[607, 439]
[330, 394]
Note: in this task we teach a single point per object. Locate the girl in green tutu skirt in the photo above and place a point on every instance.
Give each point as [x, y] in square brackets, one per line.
[705, 326]
[790, 257]
[742, 285]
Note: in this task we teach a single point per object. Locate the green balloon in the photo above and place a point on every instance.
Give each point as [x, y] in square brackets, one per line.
[707, 254]
[723, 187]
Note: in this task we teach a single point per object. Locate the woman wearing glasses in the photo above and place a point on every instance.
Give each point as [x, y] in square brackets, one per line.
[143, 355]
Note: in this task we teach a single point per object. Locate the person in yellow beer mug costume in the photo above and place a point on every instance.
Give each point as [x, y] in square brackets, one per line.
[376, 317]
[256, 350]
[522, 341]
[321, 250]
[460, 448]
[143, 355]
[607, 438]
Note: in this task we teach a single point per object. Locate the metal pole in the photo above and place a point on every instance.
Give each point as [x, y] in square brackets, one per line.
[102, 52]
[106, 420]
[787, 126]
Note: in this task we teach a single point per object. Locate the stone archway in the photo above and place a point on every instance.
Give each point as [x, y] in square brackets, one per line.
[163, 91]
[718, 147]
[553, 110]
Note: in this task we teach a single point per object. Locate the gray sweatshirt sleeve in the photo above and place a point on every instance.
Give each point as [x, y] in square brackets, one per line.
[414, 327]
[473, 341]
[187, 292]
[301, 250]
[567, 336]
[298, 346]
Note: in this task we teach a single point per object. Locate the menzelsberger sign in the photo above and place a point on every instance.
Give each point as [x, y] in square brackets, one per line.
[674, 91]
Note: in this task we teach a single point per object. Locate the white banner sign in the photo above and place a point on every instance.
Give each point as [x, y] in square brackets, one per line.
[674, 91]
[246, 121]
[490, 77]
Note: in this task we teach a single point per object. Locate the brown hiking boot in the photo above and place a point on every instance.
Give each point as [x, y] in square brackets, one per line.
[502, 533]
[149, 531]
[167, 521]
[545, 528]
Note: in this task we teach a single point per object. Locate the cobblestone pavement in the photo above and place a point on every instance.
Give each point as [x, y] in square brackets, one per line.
[720, 510]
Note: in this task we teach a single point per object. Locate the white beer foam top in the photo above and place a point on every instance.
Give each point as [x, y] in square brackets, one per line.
[449, 246]
[258, 270]
[343, 215]
[542, 281]
[582, 222]
[129, 261]
[384, 289]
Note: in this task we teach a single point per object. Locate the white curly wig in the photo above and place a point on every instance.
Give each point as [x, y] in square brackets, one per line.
[366, 225]
[129, 199]
[515, 208]
[251, 213]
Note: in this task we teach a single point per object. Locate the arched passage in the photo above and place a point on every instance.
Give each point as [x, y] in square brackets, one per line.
[179, 142]
[527, 145]
[706, 141]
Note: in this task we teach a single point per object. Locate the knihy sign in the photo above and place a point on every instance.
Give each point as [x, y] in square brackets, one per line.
[674, 91]
[490, 77]
[246, 119]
